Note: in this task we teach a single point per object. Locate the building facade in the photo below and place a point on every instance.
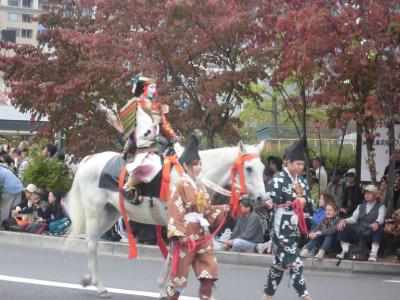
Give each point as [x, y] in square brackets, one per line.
[18, 16]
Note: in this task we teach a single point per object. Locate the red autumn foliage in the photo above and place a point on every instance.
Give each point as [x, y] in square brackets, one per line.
[344, 52]
[201, 52]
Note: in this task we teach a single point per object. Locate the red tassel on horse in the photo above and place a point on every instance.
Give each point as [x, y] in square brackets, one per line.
[131, 238]
[160, 242]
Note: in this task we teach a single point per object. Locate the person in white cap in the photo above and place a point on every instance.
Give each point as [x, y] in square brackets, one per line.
[25, 206]
[30, 189]
[368, 218]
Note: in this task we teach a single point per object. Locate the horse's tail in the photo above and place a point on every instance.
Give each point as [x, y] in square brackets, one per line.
[163, 277]
[75, 212]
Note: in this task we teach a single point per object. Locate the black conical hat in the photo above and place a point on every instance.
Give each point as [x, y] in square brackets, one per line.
[296, 151]
[191, 152]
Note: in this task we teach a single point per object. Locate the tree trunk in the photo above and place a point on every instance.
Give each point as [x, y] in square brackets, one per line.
[358, 164]
[339, 154]
[304, 123]
[60, 142]
[210, 140]
[274, 116]
[320, 153]
[389, 191]
[369, 142]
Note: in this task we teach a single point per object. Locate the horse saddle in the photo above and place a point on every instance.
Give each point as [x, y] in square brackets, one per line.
[109, 179]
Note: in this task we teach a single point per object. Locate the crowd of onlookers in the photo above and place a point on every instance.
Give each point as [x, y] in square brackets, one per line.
[339, 225]
[23, 205]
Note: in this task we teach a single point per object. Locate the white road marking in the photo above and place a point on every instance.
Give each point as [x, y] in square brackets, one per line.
[392, 281]
[79, 287]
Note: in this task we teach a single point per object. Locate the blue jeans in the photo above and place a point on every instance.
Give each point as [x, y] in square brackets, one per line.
[349, 235]
[240, 245]
[326, 242]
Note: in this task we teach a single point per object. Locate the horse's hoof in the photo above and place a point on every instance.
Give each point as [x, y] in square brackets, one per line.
[104, 294]
[86, 280]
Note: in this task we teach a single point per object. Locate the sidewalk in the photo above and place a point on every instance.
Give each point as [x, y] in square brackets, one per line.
[232, 258]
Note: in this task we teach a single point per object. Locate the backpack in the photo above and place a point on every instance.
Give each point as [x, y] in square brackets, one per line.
[358, 252]
[59, 226]
[112, 234]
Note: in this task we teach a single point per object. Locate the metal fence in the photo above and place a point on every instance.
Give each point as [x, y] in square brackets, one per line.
[280, 144]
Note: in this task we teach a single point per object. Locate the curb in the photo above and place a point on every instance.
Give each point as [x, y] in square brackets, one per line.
[231, 258]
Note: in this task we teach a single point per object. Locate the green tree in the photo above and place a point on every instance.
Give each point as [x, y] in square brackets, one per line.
[47, 174]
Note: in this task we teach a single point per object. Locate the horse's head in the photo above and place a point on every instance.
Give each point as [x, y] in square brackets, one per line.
[146, 130]
[253, 170]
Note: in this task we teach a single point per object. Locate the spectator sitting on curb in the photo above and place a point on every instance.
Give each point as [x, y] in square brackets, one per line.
[22, 211]
[248, 231]
[323, 233]
[39, 207]
[391, 238]
[55, 210]
[368, 219]
[25, 206]
[319, 213]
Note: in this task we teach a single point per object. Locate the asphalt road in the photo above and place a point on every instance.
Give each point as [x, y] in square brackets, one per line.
[33, 273]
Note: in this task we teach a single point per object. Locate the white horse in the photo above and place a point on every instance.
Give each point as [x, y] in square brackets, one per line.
[94, 210]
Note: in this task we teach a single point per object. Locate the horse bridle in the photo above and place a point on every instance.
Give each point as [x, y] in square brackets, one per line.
[238, 168]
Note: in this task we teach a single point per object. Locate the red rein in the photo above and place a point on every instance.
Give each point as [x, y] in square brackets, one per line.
[298, 209]
[192, 246]
[238, 167]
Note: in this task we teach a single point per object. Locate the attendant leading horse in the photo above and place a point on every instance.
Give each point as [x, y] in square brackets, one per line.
[94, 210]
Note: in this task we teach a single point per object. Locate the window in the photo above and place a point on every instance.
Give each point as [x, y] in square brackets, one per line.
[26, 18]
[12, 16]
[26, 3]
[26, 33]
[42, 3]
[16, 30]
[13, 2]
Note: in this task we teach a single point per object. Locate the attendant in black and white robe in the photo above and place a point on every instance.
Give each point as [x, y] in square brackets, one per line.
[284, 188]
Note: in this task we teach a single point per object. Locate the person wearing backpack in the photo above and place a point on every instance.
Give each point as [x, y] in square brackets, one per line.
[368, 220]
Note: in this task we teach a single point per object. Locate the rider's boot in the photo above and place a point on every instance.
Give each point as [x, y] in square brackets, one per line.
[131, 183]
[129, 191]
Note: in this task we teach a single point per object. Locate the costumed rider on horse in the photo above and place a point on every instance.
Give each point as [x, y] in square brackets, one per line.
[146, 163]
